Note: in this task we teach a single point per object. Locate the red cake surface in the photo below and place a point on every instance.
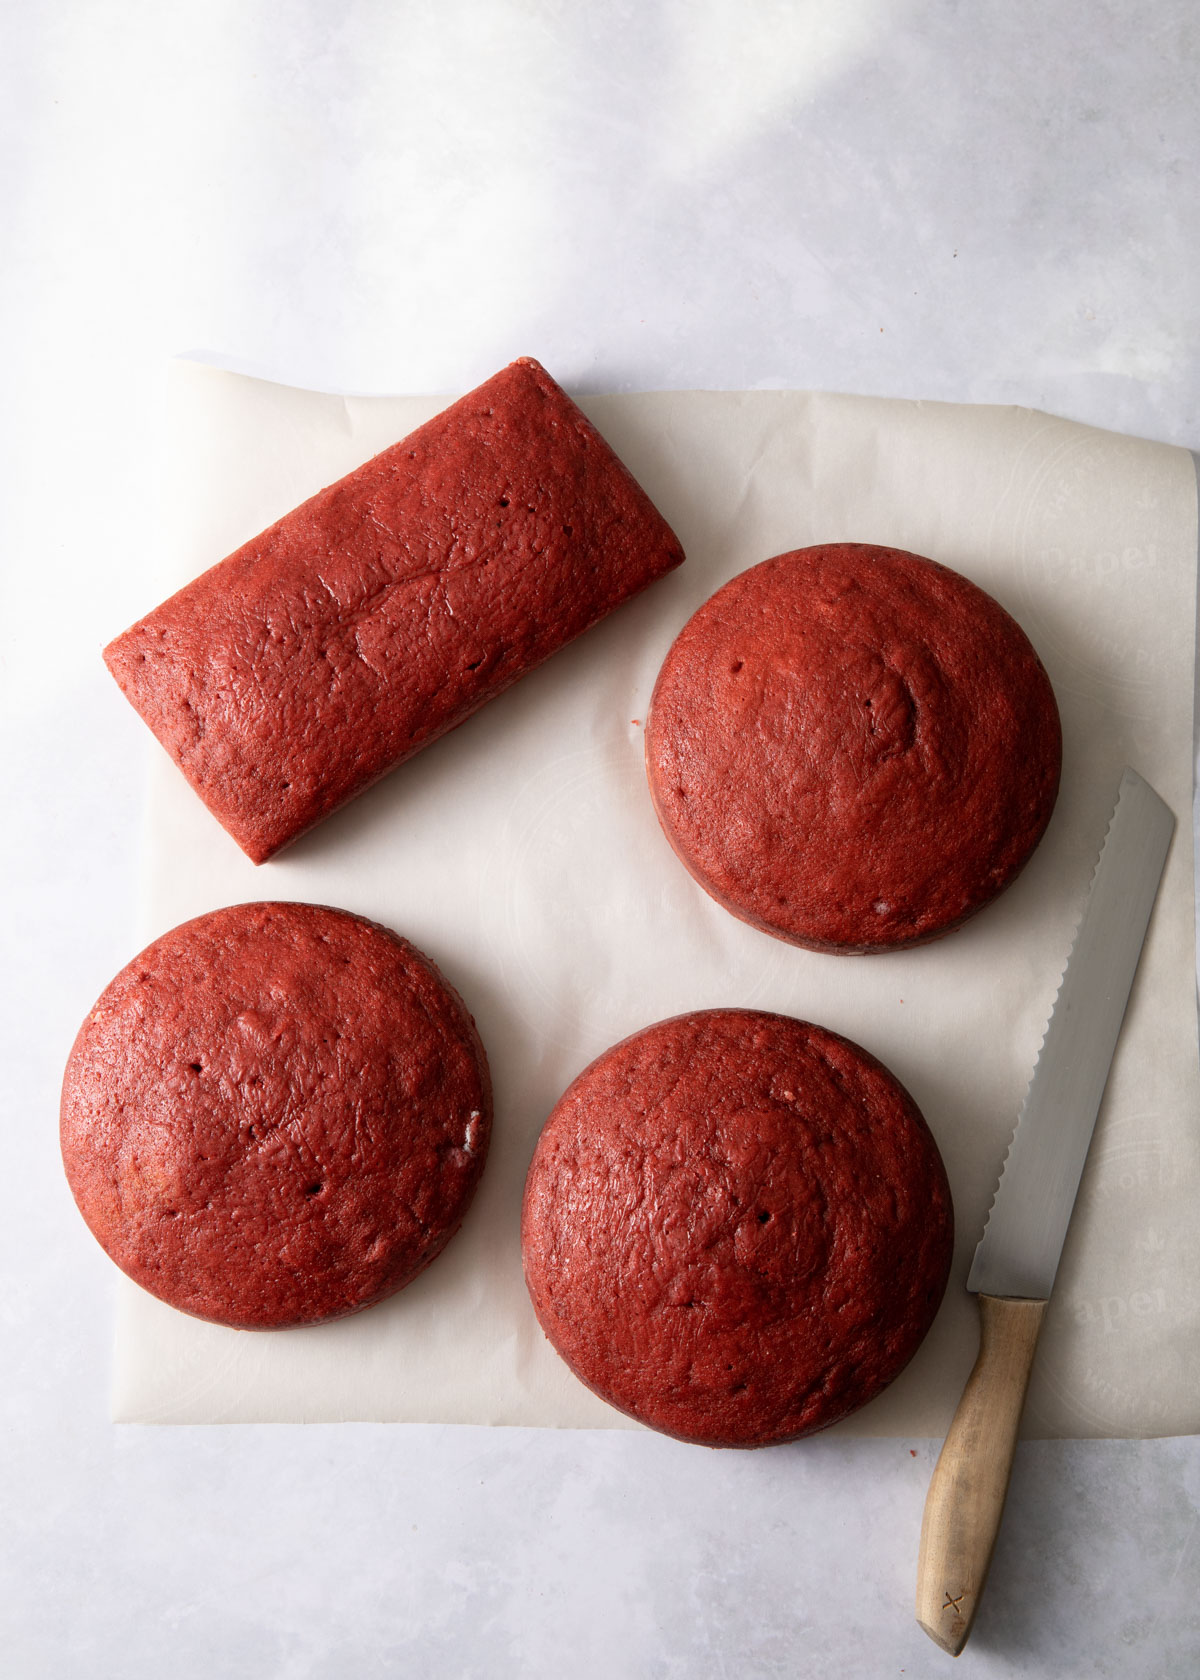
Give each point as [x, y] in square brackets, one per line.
[385, 610]
[736, 1227]
[277, 1114]
[853, 748]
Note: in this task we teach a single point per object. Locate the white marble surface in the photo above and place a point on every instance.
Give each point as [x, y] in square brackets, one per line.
[991, 202]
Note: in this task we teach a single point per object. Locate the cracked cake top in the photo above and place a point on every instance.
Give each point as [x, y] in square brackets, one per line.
[737, 1227]
[853, 748]
[276, 1114]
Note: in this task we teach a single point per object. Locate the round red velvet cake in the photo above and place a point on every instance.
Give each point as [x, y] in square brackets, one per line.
[853, 748]
[277, 1114]
[737, 1227]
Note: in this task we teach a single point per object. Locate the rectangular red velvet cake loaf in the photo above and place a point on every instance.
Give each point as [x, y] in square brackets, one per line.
[386, 609]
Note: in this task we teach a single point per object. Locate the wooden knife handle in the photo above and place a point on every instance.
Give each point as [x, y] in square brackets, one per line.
[966, 1495]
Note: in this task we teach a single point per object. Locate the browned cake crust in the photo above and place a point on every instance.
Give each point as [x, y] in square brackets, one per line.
[736, 1227]
[276, 1114]
[853, 748]
[385, 610]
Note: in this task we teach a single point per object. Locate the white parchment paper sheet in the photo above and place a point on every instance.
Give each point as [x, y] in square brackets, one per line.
[523, 855]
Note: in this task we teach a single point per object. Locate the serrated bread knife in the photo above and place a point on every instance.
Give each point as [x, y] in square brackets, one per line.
[1018, 1255]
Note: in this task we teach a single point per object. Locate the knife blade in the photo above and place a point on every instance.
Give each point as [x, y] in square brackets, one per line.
[1017, 1257]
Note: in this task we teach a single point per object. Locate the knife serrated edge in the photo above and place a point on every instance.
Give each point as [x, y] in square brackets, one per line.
[1130, 781]
[1046, 1029]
